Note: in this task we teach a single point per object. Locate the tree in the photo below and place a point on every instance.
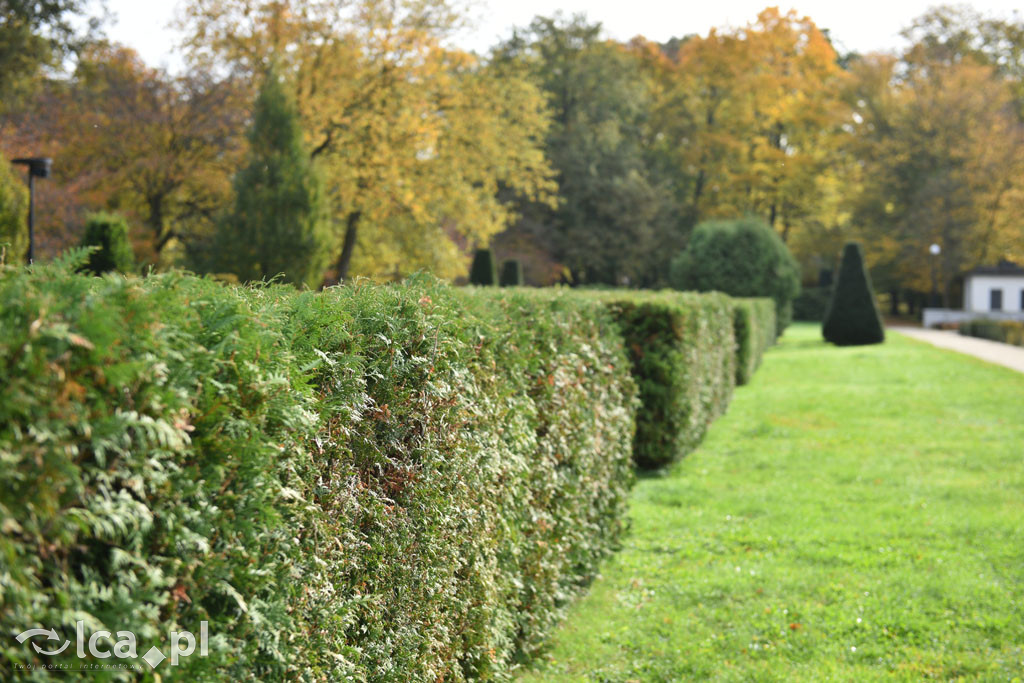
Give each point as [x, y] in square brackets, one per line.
[109, 234]
[35, 35]
[743, 258]
[484, 271]
[278, 223]
[852, 317]
[13, 212]
[613, 222]
[415, 138]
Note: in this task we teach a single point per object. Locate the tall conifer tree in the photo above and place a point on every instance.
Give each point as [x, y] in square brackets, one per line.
[278, 224]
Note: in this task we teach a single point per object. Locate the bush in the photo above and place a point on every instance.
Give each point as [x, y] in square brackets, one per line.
[13, 216]
[109, 233]
[1005, 331]
[383, 483]
[853, 317]
[811, 303]
[743, 258]
[755, 327]
[683, 351]
[483, 271]
[511, 274]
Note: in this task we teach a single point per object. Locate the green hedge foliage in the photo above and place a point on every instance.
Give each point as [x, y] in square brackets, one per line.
[1005, 331]
[853, 318]
[379, 483]
[755, 330]
[109, 234]
[683, 349]
[367, 483]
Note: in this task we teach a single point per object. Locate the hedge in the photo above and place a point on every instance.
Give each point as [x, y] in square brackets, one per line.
[381, 483]
[1005, 331]
[682, 348]
[755, 329]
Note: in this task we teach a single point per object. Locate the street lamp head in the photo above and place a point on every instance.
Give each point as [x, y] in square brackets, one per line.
[935, 250]
[38, 167]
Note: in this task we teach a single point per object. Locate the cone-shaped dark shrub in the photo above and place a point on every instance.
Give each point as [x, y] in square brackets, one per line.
[108, 232]
[484, 272]
[742, 258]
[852, 317]
[511, 274]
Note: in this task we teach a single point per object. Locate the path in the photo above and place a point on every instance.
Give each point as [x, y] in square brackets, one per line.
[1006, 355]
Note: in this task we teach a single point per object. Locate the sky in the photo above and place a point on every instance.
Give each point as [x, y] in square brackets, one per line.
[863, 26]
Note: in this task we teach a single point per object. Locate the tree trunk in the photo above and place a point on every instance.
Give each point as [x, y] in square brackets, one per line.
[348, 245]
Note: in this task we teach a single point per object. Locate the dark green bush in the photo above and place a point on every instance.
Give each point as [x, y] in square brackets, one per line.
[853, 317]
[811, 303]
[1005, 331]
[109, 233]
[483, 271]
[382, 483]
[683, 350]
[755, 327]
[511, 273]
[743, 258]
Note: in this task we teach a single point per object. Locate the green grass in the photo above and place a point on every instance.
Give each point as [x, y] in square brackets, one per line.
[857, 515]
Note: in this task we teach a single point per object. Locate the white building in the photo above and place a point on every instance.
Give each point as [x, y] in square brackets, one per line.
[995, 289]
[989, 292]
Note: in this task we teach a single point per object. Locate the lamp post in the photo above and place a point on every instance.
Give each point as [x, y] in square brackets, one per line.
[38, 167]
[935, 250]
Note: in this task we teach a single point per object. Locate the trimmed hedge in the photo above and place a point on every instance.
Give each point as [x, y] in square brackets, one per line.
[371, 482]
[852, 318]
[682, 347]
[1005, 331]
[382, 483]
[755, 329]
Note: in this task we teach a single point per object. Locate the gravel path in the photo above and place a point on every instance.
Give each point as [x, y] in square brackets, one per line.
[1001, 354]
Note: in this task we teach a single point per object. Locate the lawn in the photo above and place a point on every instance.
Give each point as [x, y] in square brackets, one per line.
[857, 515]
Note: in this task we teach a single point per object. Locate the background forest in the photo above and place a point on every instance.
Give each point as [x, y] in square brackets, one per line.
[324, 140]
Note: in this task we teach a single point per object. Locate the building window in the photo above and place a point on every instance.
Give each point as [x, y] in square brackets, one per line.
[1022, 299]
[995, 300]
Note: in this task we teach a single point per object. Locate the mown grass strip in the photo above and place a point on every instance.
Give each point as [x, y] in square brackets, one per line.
[855, 516]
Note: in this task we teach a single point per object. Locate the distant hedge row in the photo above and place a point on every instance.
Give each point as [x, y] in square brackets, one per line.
[1005, 331]
[376, 483]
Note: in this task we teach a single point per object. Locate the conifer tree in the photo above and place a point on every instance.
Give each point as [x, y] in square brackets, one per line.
[852, 317]
[278, 225]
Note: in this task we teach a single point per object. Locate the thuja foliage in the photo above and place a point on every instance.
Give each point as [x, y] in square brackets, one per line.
[744, 258]
[682, 349]
[852, 317]
[278, 225]
[511, 273]
[755, 329]
[370, 483]
[484, 271]
[108, 234]
[13, 216]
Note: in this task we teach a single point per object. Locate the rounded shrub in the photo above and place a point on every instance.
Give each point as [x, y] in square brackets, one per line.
[13, 212]
[852, 317]
[743, 258]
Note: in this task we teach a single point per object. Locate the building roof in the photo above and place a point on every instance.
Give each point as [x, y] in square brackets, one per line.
[1008, 268]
